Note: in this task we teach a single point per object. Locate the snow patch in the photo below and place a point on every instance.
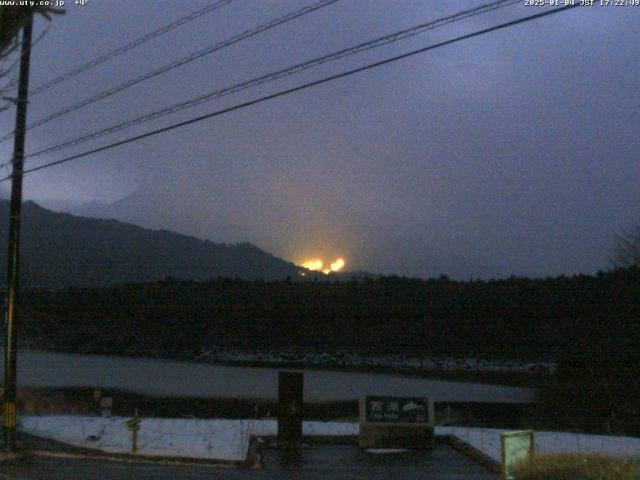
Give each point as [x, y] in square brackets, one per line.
[215, 439]
[219, 439]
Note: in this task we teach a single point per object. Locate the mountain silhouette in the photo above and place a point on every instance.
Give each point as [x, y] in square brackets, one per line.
[60, 250]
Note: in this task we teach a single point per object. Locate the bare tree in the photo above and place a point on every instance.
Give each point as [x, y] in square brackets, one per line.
[626, 251]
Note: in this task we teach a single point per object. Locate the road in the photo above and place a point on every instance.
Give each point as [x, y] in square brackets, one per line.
[322, 462]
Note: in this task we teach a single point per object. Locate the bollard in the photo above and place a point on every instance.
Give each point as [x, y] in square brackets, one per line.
[134, 426]
[290, 392]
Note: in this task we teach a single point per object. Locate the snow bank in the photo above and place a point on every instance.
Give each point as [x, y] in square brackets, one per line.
[213, 439]
[182, 437]
[229, 439]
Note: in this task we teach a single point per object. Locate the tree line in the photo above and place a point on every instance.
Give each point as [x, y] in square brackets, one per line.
[514, 317]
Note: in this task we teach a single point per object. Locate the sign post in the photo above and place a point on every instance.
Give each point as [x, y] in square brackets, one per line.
[396, 422]
[516, 447]
[133, 425]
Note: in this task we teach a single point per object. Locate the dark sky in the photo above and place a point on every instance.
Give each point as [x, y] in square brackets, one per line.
[516, 150]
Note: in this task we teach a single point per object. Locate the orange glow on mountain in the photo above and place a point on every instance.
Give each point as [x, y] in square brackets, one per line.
[313, 264]
[317, 264]
[337, 265]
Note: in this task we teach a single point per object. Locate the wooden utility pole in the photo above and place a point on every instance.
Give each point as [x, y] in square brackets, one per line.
[13, 260]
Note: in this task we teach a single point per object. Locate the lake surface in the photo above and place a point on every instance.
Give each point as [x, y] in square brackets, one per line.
[168, 378]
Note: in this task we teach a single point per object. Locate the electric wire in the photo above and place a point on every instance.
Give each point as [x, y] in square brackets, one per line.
[16, 62]
[131, 45]
[300, 88]
[256, 81]
[180, 62]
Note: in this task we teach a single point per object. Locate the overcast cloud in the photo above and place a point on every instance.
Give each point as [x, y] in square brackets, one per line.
[517, 149]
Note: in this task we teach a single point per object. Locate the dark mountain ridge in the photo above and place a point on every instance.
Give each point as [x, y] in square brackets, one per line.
[60, 250]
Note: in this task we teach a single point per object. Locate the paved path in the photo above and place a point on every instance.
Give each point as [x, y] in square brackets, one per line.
[323, 462]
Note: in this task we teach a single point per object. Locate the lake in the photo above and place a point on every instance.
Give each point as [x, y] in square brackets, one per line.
[169, 378]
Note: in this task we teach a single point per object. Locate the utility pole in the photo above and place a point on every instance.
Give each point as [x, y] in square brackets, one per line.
[13, 259]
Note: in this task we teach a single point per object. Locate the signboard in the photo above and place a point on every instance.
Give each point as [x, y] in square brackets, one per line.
[396, 410]
[396, 422]
[516, 446]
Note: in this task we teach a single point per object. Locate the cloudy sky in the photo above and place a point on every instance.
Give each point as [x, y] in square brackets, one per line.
[513, 152]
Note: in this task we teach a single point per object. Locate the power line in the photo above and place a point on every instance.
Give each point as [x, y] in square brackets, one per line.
[182, 61]
[375, 43]
[16, 62]
[299, 88]
[125, 48]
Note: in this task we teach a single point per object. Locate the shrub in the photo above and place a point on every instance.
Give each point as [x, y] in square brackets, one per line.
[578, 467]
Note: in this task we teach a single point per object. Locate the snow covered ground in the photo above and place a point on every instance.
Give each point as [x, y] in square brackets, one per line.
[181, 437]
[229, 439]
